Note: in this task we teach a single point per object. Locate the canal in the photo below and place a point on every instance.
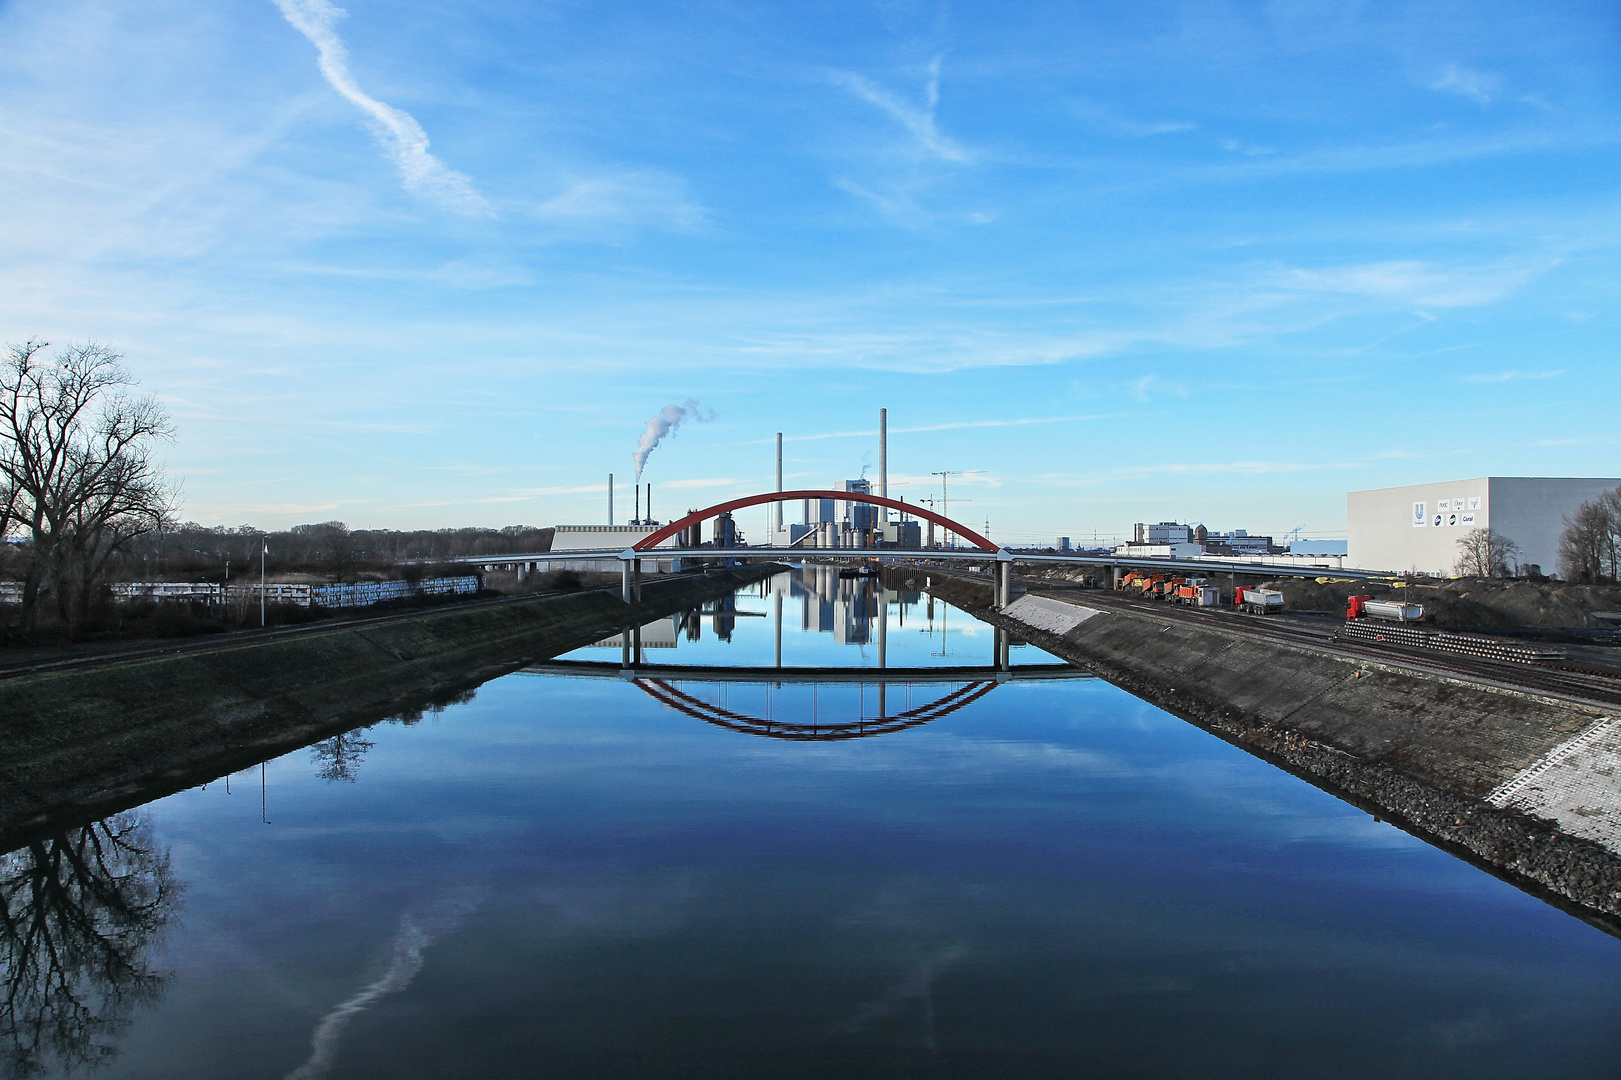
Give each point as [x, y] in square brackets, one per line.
[958, 862]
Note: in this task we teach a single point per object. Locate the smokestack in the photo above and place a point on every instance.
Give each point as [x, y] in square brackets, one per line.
[650, 503]
[610, 500]
[637, 520]
[883, 462]
[778, 505]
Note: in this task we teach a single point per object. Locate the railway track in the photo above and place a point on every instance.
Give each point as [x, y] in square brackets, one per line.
[1573, 681]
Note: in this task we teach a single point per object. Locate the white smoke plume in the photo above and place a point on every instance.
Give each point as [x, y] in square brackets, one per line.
[406, 142]
[417, 932]
[667, 421]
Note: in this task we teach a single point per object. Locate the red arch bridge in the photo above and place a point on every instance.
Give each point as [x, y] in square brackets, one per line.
[979, 549]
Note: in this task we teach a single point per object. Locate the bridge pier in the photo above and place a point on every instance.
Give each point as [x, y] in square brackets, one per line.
[630, 576]
[1004, 578]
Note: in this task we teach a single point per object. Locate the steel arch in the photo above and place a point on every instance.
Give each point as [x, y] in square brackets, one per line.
[653, 539]
[664, 693]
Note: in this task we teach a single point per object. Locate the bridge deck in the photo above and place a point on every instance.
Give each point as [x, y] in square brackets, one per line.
[956, 555]
[867, 676]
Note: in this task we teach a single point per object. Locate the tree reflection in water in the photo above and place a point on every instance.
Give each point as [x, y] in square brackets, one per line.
[80, 915]
[337, 760]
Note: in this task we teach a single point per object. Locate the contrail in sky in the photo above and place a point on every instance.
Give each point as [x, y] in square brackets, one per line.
[667, 421]
[403, 137]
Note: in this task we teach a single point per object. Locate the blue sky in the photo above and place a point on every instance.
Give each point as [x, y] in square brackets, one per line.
[422, 264]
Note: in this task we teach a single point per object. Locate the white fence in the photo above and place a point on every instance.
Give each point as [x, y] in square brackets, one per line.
[361, 594]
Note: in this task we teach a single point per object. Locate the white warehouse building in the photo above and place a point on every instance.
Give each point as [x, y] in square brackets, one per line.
[1417, 528]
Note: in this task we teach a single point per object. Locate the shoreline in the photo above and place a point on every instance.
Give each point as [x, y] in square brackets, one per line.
[1430, 755]
[82, 742]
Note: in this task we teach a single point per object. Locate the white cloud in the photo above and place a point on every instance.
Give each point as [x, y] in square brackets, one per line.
[919, 121]
[625, 198]
[1511, 376]
[1233, 146]
[955, 425]
[1476, 85]
[1106, 122]
[1149, 385]
[1415, 284]
[406, 142]
[700, 482]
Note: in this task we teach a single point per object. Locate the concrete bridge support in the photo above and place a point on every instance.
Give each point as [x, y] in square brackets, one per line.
[630, 577]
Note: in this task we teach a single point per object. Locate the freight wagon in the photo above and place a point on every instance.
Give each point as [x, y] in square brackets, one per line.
[1360, 607]
[1259, 601]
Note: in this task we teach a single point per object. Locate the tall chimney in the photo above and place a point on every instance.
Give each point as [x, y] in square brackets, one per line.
[650, 501]
[637, 520]
[610, 500]
[883, 462]
[778, 504]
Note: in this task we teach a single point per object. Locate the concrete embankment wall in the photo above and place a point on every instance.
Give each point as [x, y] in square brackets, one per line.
[84, 742]
[1427, 753]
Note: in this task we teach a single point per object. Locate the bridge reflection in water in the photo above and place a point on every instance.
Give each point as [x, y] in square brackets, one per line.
[854, 612]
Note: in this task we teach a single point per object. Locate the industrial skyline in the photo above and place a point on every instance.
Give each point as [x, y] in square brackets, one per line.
[1168, 262]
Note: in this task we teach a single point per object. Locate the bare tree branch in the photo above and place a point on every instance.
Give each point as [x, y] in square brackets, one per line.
[1590, 547]
[1485, 553]
[76, 471]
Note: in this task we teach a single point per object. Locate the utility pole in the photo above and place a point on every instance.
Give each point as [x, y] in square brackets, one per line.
[264, 553]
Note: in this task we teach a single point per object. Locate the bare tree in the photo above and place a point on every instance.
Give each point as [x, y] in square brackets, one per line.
[1485, 553]
[1590, 546]
[76, 472]
[80, 914]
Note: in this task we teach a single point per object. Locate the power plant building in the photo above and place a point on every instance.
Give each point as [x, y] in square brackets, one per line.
[1416, 529]
[843, 523]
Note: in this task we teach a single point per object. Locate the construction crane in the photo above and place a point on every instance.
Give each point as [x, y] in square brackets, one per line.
[932, 503]
[945, 499]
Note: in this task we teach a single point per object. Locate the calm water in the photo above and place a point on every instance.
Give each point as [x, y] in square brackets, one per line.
[567, 876]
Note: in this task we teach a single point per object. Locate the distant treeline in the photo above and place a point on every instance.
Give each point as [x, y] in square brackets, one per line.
[330, 548]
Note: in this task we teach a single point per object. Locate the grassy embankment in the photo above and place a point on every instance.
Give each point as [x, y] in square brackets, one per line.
[85, 742]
